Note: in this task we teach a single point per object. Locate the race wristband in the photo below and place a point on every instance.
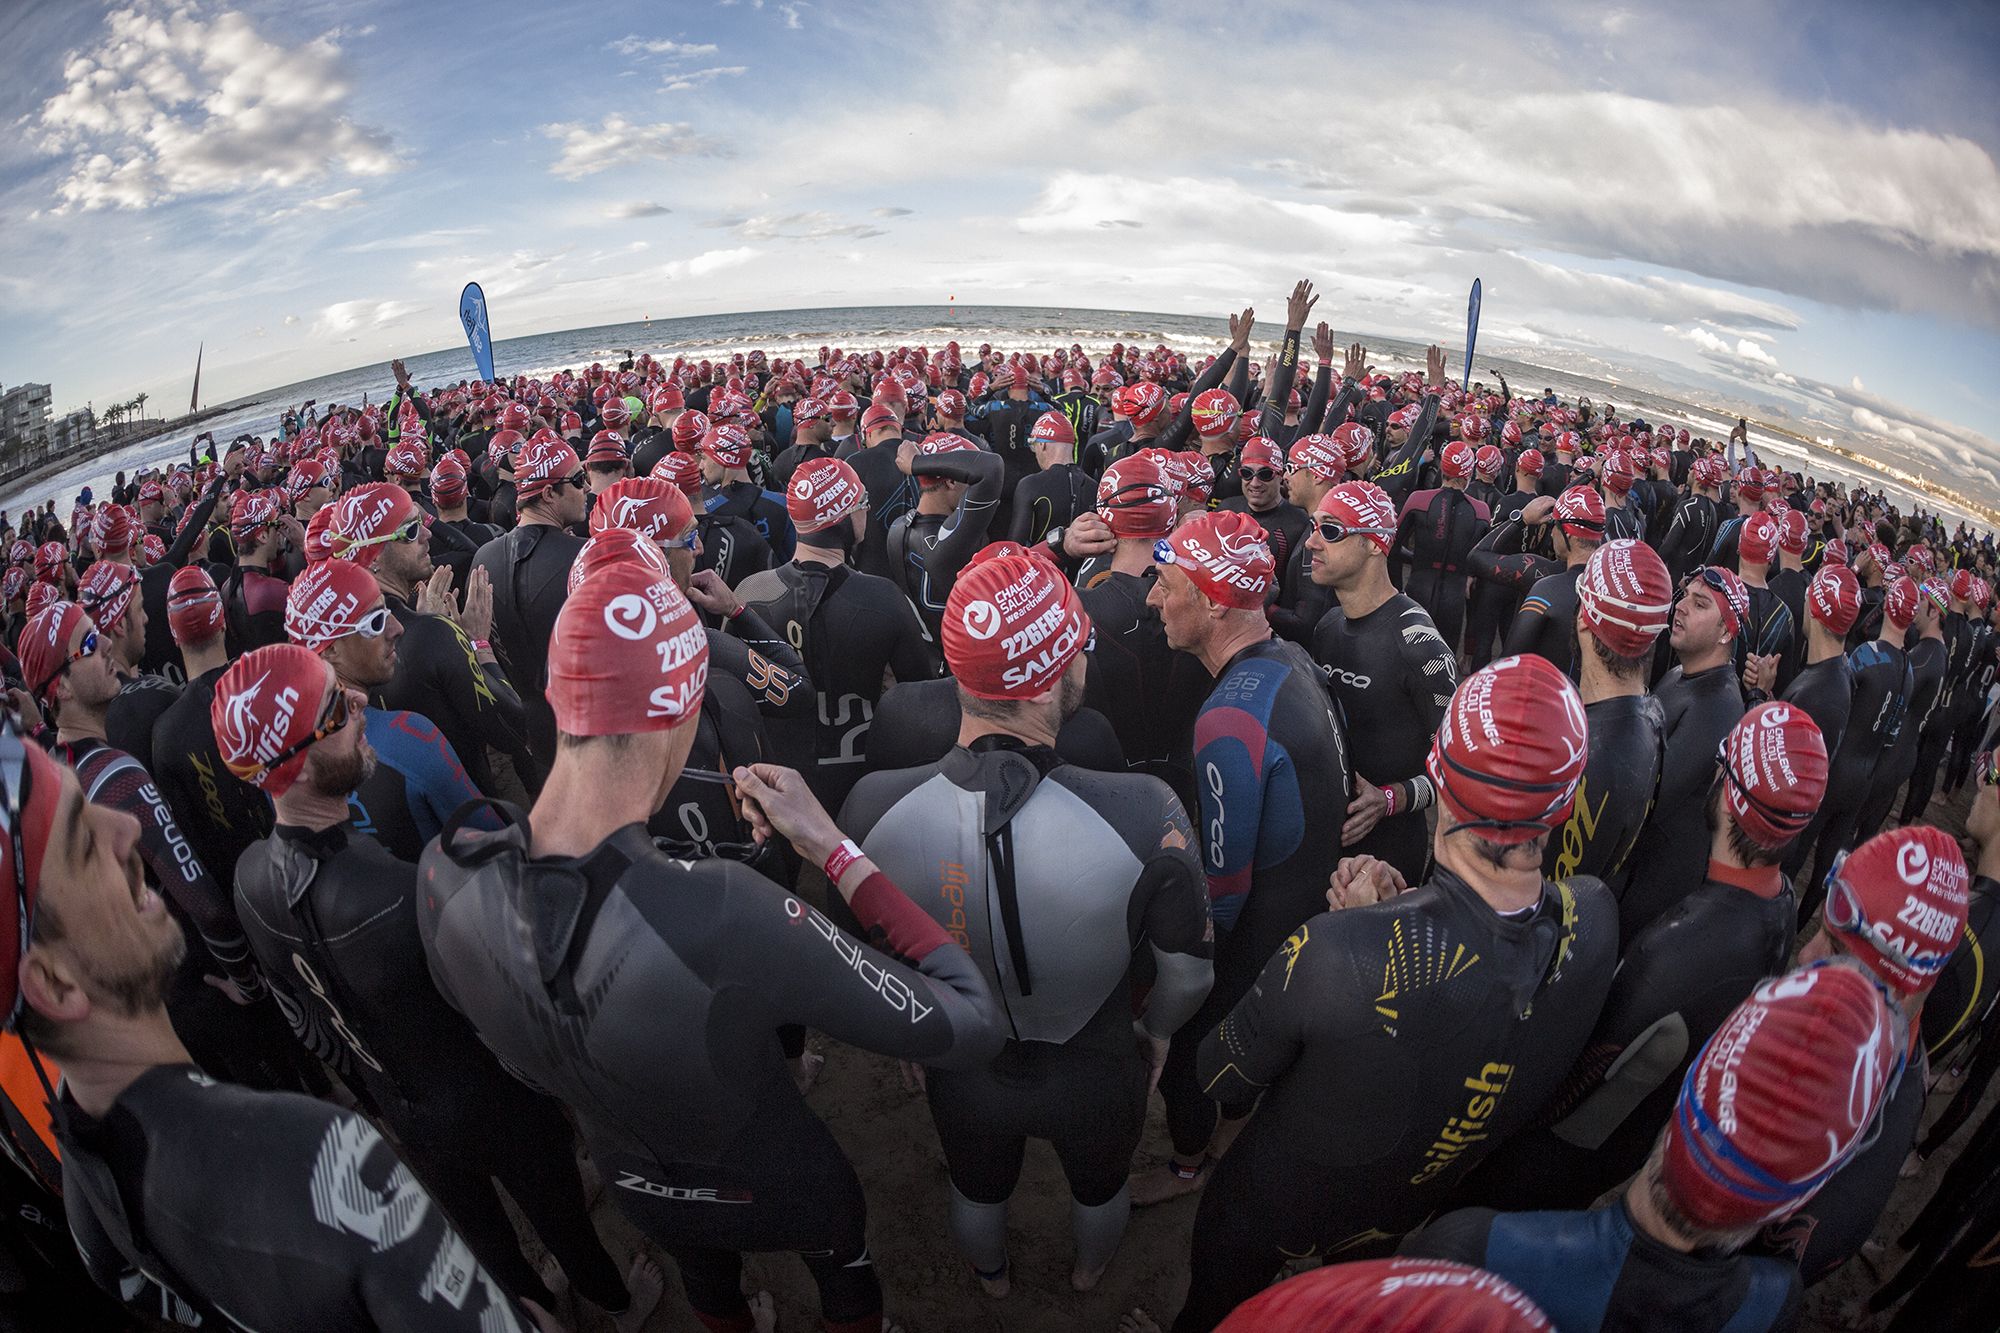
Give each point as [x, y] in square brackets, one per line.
[1389, 801]
[844, 856]
[481, 646]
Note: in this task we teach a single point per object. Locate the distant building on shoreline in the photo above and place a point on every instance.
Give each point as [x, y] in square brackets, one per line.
[24, 416]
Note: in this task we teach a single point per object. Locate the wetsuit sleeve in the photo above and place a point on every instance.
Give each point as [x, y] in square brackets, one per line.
[1315, 405]
[1525, 634]
[1460, 1237]
[1177, 431]
[907, 992]
[1399, 474]
[773, 669]
[191, 531]
[1262, 1036]
[1488, 558]
[437, 786]
[1336, 412]
[1430, 674]
[1175, 919]
[1677, 547]
[1279, 391]
[1022, 527]
[912, 655]
[180, 873]
[965, 532]
[114, 1273]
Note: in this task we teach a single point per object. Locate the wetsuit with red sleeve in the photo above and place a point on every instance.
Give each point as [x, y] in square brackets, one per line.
[1438, 529]
[647, 995]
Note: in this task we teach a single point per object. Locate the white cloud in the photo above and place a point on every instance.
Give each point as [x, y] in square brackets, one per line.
[619, 142]
[636, 209]
[325, 203]
[710, 261]
[422, 240]
[1857, 385]
[346, 319]
[660, 46]
[687, 80]
[170, 104]
[1720, 348]
[1750, 351]
[808, 226]
[1782, 378]
[791, 13]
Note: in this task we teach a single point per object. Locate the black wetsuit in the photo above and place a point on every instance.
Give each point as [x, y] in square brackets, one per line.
[1271, 769]
[1825, 690]
[1439, 529]
[926, 551]
[1502, 574]
[1688, 538]
[209, 1203]
[333, 919]
[1620, 777]
[1627, 520]
[1936, 729]
[849, 628]
[795, 456]
[439, 676]
[1667, 860]
[1882, 684]
[131, 715]
[1055, 879]
[1150, 691]
[417, 783]
[1768, 629]
[1546, 622]
[1394, 676]
[1962, 998]
[253, 609]
[891, 494]
[1597, 1270]
[1051, 498]
[1678, 981]
[1928, 660]
[917, 721]
[1285, 527]
[1980, 672]
[220, 814]
[1398, 474]
[647, 993]
[731, 546]
[761, 509]
[1431, 1018]
[162, 655]
[529, 568]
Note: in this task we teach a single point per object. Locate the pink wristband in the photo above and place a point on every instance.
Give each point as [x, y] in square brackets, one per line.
[1389, 800]
[844, 856]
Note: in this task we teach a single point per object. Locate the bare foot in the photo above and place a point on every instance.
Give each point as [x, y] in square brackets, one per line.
[1137, 1321]
[763, 1312]
[1082, 1281]
[805, 1070]
[997, 1286]
[1163, 1182]
[645, 1281]
[1913, 1166]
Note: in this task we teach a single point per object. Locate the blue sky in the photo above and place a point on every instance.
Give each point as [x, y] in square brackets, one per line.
[1794, 206]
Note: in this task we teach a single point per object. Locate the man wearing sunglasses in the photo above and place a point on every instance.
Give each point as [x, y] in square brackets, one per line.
[1897, 903]
[444, 668]
[528, 571]
[1700, 700]
[253, 597]
[1260, 469]
[69, 670]
[110, 591]
[1390, 670]
[331, 915]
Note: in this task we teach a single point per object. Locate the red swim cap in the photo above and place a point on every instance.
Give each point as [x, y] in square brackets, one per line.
[406, 460]
[1455, 460]
[1899, 603]
[43, 647]
[1781, 1097]
[1472, 427]
[1758, 540]
[194, 606]
[1773, 773]
[680, 469]
[1389, 1296]
[689, 427]
[628, 655]
[878, 416]
[654, 508]
[105, 590]
[1226, 554]
[366, 519]
[1580, 511]
[27, 818]
[607, 449]
[448, 483]
[1134, 498]
[823, 492]
[1794, 533]
[1365, 509]
[1625, 597]
[1053, 428]
[1319, 455]
[1621, 473]
[1214, 412]
[1531, 462]
[617, 546]
[1898, 902]
[112, 531]
[1012, 625]
[265, 710]
[1833, 598]
[326, 601]
[250, 512]
[1260, 451]
[1507, 758]
[1489, 462]
[728, 444]
[1355, 442]
[1146, 402]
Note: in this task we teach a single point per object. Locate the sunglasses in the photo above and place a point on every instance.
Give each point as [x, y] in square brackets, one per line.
[88, 648]
[1257, 473]
[336, 715]
[1332, 531]
[579, 479]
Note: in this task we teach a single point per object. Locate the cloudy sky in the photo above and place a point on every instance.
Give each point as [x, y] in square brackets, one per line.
[1793, 205]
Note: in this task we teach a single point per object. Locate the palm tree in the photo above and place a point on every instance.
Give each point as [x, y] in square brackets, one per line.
[140, 403]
